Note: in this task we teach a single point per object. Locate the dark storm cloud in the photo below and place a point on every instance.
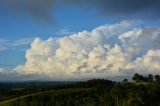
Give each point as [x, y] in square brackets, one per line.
[40, 10]
[126, 9]
[143, 9]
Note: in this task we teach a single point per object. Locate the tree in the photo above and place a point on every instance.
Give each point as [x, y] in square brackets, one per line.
[145, 79]
[125, 80]
[135, 77]
[138, 78]
[157, 77]
[150, 78]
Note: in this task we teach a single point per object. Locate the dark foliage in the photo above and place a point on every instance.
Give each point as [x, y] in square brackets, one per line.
[145, 91]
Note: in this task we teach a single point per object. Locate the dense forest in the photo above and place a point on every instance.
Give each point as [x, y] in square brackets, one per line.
[142, 91]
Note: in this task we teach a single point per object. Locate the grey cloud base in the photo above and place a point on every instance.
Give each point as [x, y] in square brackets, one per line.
[125, 9]
[40, 10]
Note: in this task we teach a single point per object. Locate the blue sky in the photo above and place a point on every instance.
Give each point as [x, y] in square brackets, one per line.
[16, 25]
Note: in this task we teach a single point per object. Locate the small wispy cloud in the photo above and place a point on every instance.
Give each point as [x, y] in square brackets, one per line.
[7, 44]
[64, 32]
[22, 41]
[3, 44]
[2, 48]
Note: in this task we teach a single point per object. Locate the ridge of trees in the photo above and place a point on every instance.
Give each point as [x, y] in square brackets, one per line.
[150, 78]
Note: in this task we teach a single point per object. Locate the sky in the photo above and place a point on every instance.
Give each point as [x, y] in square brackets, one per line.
[78, 39]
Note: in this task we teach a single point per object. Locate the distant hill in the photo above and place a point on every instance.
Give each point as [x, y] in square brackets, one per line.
[28, 84]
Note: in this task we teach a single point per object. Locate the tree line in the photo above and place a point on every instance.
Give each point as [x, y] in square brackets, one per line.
[150, 78]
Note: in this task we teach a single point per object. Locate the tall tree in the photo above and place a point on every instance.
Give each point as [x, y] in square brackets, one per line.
[138, 78]
[157, 77]
[150, 78]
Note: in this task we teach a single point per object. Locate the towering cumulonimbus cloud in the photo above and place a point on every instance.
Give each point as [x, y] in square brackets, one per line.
[120, 49]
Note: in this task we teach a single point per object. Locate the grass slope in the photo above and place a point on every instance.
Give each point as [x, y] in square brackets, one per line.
[53, 92]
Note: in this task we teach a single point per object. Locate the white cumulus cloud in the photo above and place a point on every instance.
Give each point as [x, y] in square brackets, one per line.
[107, 51]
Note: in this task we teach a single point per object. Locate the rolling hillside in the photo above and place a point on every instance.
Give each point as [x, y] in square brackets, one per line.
[21, 101]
